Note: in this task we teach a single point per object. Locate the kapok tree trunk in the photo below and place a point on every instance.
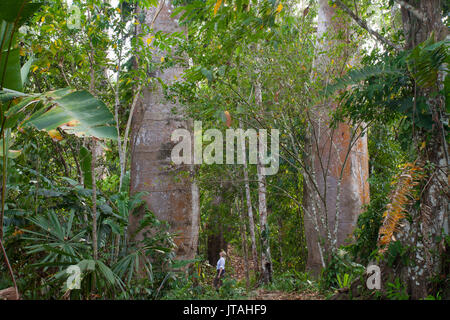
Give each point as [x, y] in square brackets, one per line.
[214, 229]
[173, 196]
[336, 187]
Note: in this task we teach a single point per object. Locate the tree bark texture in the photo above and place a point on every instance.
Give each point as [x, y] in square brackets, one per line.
[172, 194]
[337, 188]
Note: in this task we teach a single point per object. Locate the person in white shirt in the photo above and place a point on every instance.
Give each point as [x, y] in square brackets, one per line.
[220, 269]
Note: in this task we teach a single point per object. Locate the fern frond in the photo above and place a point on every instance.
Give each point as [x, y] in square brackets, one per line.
[427, 60]
[401, 197]
[356, 76]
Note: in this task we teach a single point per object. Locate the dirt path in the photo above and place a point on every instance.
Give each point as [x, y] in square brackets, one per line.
[236, 262]
[262, 294]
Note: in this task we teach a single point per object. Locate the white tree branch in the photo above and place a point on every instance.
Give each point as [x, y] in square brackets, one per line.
[420, 15]
[363, 24]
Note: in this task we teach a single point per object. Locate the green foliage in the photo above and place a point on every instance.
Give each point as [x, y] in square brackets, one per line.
[292, 281]
[396, 290]
[397, 254]
[431, 297]
[340, 271]
[385, 89]
[185, 288]
[427, 60]
[233, 47]
[386, 155]
[344, 281]
[56, 238]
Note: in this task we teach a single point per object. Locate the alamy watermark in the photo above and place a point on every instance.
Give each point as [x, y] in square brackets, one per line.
[74, 279]
[74, 19]
[374, 278]
[234, 144]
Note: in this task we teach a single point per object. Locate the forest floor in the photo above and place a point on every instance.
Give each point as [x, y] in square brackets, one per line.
[263, 294]
[237, 266]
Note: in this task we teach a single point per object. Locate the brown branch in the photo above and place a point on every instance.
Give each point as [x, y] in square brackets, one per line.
[11, 273]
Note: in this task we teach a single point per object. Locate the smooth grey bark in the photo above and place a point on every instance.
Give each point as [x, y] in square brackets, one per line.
[243, 229]
[337, 186]
[266, 259]
[172, 195]
[249, 205]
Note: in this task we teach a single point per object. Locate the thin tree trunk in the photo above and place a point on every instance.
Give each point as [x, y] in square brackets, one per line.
[249, 206]
[94, 200]
[280, 240]
[266, 259]
[243, 229]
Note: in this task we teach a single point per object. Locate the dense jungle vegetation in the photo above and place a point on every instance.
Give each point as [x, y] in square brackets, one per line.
[93, 207]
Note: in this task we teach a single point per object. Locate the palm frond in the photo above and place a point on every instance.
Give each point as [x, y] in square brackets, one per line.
[357, 76]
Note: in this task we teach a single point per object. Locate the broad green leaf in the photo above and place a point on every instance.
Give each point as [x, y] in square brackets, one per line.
[25, 70]
[12, 78]
[11, 9]
[12, 154]
[78, 113]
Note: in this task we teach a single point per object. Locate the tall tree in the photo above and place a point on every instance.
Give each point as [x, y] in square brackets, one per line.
[266, 258]
[172, 195]
[336, 187]
[421, 21]
[249, 204]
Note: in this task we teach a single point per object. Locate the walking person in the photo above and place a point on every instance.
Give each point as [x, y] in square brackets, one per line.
[220, 270]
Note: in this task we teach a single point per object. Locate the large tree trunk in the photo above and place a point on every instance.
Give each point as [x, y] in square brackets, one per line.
[214, 229]
[172, 197]
[336, 187]
[424, 233]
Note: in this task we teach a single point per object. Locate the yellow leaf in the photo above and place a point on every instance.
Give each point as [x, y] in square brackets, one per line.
[423, 145]
[35, 68]
[217, 6]
[279, 8]
[162, 59]
[42, 19]
[54, 134]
